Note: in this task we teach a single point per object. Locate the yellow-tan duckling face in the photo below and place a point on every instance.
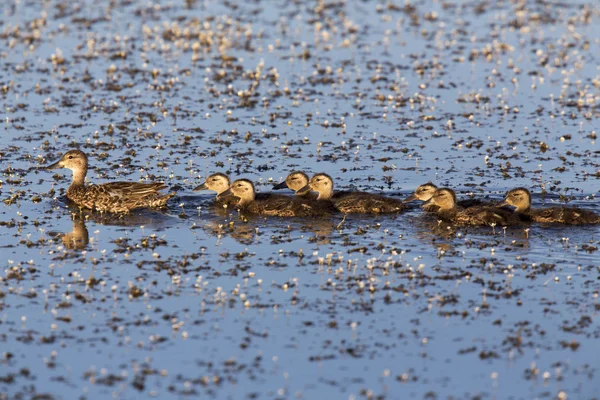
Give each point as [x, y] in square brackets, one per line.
[321, 183]
[216, 182]
[242, 188]
[444, 198]
[294, 181]
[519, 198]
[75, 160]
[422, 193]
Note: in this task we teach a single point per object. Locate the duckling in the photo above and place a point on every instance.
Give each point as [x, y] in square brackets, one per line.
[296, 181]
[219, 183]
[448, 211]
[273, 205]
[520, 198]
[113, 197]
[426, 191]
[351, 202]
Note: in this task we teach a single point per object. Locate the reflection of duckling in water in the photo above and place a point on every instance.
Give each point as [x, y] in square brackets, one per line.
[296, 181]
[242, 233]
[78, 238]
[448, 211]
[350, 202]
[273, 205]
[426, 191]
[114, 197]
[520, 198]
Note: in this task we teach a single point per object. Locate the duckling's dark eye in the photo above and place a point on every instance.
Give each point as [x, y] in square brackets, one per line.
[70, 157]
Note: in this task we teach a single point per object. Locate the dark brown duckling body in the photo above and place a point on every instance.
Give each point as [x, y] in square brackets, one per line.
[349, 202]
[448, 211]
[275, 205]
[520, 198]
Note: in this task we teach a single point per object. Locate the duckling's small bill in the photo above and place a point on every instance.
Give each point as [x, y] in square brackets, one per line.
[200, 188]
[304, 190]
[412, 197]
[279, 186]
[225, 194]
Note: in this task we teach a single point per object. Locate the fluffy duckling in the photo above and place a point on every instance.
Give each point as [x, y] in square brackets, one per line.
[426, 191]
[351, 202]
[296, 181]
[273, 205]
[114, 197]
[449, 211]
[218, 183]
[520, 198]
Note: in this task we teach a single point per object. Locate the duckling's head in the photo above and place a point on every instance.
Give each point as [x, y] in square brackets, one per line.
[444, 198]
[217, 182]
[295, 181]
[422, 193]
[242, 188]
[320, 183]
[75, 160]
[520, 198]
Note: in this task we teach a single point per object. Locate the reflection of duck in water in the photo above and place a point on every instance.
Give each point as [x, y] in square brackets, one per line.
[114, 197]
[350, 202]
[274, 205]
[78, 238]
[152, 219]
[426, 191]
[449, 211]
[296, 181]
[520, 198]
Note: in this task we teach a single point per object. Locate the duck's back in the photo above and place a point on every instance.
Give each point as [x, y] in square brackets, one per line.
[366, 203]
[565, 215]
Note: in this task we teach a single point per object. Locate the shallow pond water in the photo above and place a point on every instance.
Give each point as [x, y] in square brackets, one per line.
[383, 96]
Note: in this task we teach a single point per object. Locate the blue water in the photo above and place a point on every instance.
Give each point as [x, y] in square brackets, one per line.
[188, 302]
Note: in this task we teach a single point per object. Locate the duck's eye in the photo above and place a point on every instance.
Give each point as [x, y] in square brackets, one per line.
[70, 157]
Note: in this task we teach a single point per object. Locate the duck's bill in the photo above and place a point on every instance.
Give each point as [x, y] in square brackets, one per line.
[53, 166]
[200, 188]
[227, 193]
[410, 198]
[502, 203]
[281, 185]
[303, 190]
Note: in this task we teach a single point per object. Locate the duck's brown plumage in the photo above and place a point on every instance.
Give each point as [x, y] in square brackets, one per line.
[520, 198]
[114, 197]
[273, 204]
[449, 211]
[349, 202]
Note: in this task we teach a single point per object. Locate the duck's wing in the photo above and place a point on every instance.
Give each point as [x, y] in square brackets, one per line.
[124, 196]
[131, 190]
